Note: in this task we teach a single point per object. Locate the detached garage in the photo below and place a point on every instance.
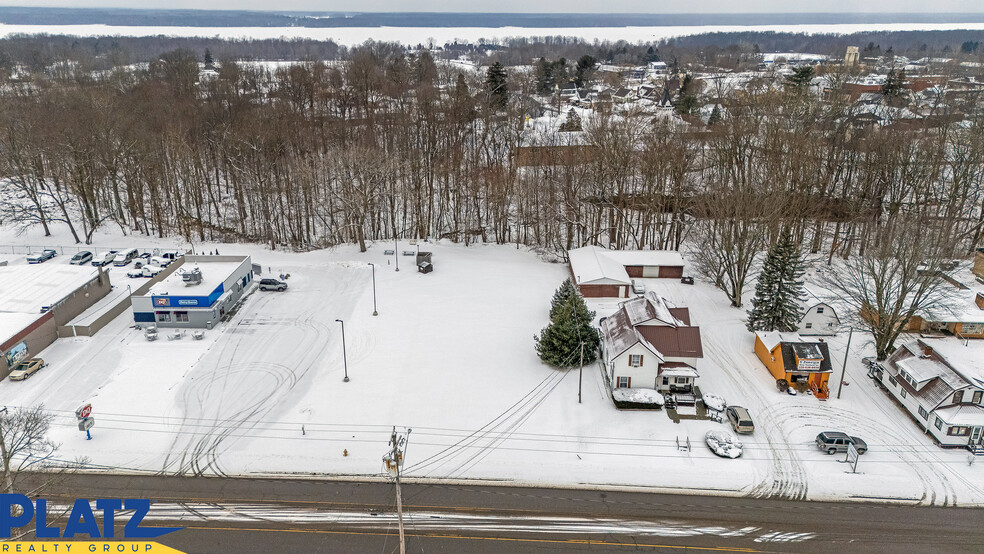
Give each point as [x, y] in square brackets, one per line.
[602, 273]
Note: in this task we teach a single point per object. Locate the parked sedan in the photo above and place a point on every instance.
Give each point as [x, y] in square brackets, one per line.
[273, 284]
[723, 444]
[82, 257]
[25, 368]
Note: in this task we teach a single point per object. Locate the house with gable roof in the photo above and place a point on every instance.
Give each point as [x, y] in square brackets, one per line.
[940, 382]
[603, 273]
[796, 359]
[650, 344]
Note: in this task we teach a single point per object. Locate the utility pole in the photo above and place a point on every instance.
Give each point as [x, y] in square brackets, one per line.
[394, 462]
[344, 354]
[374, 312]
[396, 252]
[844, 369]
[580, 374]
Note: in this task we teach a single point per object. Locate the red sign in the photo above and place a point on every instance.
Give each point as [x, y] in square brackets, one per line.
[84, 411]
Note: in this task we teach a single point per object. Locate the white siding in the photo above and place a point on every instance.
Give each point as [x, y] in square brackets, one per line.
[644, 376]
[911, 404]
[814, 323]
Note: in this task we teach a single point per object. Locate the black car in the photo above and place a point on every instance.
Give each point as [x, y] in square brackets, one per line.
[273, 284]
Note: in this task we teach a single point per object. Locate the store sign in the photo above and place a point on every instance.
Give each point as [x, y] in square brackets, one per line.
[162, 301]
[808, 365]
[188, 302]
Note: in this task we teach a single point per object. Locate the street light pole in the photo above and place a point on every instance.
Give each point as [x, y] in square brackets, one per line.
[374, 312]
[396, 252]
[344, 354]
[844, 369]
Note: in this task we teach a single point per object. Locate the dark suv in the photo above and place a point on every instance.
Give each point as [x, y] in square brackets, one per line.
[834, 441]
[273, 284]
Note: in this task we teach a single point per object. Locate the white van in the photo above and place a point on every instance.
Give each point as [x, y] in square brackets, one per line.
[125, 257]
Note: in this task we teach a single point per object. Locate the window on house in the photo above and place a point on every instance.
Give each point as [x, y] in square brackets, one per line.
[163, 316]
[623, 382]
[635, 360]
[820, 310]
[903, 393]
[923, 413]
[666, 380]
[939, 423]
[977, 396]
[682, 380]
[809, 325]
[181, 316]
[957, 431]
[958, 397]
[893, 381]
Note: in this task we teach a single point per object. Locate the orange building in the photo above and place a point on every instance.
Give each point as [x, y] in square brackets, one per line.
[796, 359]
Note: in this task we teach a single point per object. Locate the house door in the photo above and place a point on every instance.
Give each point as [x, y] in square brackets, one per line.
[975, 435]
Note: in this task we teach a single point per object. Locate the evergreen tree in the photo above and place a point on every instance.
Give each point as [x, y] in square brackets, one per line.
[560, 343]
[566, 291]
[894, 83]
[715, 116]
[495, 86]
[544, 77]
[801, 78]
[209, 60]
[573, 122]
[776, 306]
[584, 70]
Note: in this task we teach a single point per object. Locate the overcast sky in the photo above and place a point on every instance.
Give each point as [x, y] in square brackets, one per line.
[540, 6]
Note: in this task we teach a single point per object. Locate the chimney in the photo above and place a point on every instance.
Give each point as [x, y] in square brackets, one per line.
[928, 350]
[980, 300]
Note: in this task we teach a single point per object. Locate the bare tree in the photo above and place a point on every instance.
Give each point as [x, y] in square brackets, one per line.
[894, 279]
[24, 442]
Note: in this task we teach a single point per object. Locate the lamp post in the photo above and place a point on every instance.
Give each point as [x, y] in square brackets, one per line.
[374, 312]
[396, 252]
[344, 355]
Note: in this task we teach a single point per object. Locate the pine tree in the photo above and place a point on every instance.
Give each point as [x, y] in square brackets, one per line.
[573, 122]
[209, 60]
[776, 306]
[495, 86]
[715, 116]
[566, 291]
[560, 343]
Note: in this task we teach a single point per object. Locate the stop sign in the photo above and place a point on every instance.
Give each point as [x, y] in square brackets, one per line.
[84, 411]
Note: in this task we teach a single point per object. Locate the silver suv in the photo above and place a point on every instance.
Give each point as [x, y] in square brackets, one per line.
[273, 284]
[834, 441]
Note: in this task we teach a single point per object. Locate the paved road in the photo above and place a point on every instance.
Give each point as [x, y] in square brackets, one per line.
[296, 515]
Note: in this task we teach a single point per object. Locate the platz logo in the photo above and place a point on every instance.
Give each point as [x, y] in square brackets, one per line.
[81, 520]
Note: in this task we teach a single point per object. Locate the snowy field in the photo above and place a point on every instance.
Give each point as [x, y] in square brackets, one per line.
[451, 356]
[351, 36]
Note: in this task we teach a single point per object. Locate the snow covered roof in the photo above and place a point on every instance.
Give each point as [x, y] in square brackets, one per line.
[965, 357]
[649, 307]
[962, 414]
[678, 370]
[676, 338]
[772, 339]
[589, 267]
[596, 265]
[213, 274]
[25, 289]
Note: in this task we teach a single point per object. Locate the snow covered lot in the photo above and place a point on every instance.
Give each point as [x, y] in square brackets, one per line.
[451, 356]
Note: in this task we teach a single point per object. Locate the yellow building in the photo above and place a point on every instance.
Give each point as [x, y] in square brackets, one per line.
[796, 359]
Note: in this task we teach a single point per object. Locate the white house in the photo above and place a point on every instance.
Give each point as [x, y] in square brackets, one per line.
[941, 383]
[649, 344]
[819, 319]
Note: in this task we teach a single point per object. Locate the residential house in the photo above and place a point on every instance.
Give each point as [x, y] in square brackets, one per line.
[796, 359]
[964, 316]
[940, 382]
[819, 319]
[650, 344]
[602, 273]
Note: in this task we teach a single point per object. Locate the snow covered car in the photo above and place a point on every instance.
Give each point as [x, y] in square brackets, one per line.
[135, 273]
[42, 256]
[714, 402]
[151, 270]
[100, 260]
[25, 368]
[723, 444]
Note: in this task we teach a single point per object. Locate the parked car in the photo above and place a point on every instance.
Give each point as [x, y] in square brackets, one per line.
[273, 284]
[41, 257]
[135, 273]
[638, 287]
[161, 261]
[740, 419]
[82, 257]
[833, 442]
[150, 270]
[723, 444]
[25, 368]
[171, 254]
[141, 260]
[125, 257]
[104, 259]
